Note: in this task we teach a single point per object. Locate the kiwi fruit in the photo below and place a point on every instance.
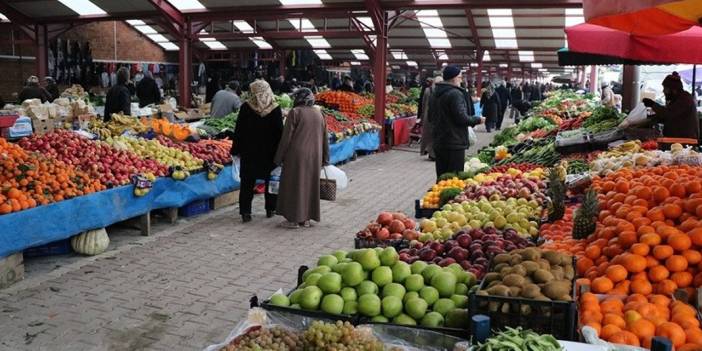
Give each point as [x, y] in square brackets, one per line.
[513, 280]
[542, 276]
[499, 290]
[568, 272]
[519, 269]
[553, 257]
[530, 266]
[531, 291]
[544, 264]
[492, 276]
[501, 258]
[514, 291]
[530, 254]
[556, 289]
[498, 267]
[557, 272]
[515, 260]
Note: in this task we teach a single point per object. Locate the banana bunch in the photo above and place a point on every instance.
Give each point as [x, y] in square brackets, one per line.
[562, 170]
[120, 123]
[628, 148]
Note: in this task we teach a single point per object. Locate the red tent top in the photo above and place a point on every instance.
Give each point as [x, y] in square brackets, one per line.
[682, 47]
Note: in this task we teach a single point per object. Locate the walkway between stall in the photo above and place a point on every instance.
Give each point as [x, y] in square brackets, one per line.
[188, 285]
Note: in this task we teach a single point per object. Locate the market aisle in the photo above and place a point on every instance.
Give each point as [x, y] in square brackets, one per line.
[188, 286]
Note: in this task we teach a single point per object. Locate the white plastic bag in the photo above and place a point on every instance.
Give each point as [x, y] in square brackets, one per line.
[472, 138]
[274, 181]
[636, 117]
[335, 173]
[236, 169]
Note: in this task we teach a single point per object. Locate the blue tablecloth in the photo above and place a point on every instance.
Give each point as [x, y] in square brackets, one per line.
[61, 220]
[344, 150]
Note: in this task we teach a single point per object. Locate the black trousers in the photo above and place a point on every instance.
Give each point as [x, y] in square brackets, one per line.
[449, 161]
[500, 117]
[246, 194]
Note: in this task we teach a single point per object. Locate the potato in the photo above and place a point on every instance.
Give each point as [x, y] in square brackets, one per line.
[556, 289]
[568, 272]
[505, 271]
[557, 272]
[544, 264]
[519, 269]
[566, 260]
[514, 291]
[513, 279]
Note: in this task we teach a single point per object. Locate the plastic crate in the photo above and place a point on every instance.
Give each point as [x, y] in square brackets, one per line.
[557, 318]
[360, 243]
[455, 332]
[420, 212]
[60, 247]
[195, 208]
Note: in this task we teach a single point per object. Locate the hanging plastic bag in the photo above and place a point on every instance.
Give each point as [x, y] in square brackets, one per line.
[342, 181]
[274, 181]
[236, 169]
[636, 117]
[472, 138]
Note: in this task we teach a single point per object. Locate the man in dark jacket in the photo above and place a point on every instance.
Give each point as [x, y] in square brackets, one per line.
[679, 115]
[33, 91]
[504, 96]
[450, 116]
[118, 97]
[147, 90]
[51, 88]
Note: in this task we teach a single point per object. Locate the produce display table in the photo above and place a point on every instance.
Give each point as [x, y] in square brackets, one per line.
[61, 220]
[400, 128]
[345, 149]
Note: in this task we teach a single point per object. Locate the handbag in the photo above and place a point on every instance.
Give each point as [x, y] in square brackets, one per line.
[327, 188]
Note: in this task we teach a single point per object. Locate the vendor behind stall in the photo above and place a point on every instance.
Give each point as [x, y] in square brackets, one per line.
[679, 115]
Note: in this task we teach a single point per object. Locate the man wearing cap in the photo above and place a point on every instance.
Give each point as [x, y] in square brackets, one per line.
[451, 113]
[33, 91]
[679, 115]
[51, 88]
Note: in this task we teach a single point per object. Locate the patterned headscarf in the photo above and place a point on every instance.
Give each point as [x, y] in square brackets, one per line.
[261, 99]
[303, 97]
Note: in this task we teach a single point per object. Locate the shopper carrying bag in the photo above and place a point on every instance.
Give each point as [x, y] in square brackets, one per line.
[303, 150]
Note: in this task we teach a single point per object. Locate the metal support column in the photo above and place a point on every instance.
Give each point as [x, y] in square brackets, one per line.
[41, 40]
[593, 79]
[281, 64]
[185, 67]
[631, 94]
[379, 78]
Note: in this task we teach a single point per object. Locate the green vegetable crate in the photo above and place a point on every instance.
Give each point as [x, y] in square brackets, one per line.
[557, 318]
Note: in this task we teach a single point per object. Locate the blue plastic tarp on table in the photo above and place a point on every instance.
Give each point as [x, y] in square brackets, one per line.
[369, 141]
[61, 220]
[342, 151]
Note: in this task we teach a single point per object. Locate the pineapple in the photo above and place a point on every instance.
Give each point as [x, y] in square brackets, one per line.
[585, 220]
[556, 193]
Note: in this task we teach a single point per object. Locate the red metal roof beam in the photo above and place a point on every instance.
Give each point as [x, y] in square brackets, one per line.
[483, 4]
[171, 18]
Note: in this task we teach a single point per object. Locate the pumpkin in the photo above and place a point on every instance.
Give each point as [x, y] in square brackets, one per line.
[92, 242]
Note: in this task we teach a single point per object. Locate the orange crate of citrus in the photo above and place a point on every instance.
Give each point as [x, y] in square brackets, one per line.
[431, 199]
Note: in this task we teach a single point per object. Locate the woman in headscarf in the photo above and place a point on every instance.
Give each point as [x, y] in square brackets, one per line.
[490, 103]
[256, 137]
[303, 150]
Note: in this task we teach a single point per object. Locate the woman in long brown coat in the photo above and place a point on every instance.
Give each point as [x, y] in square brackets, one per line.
[303, 150]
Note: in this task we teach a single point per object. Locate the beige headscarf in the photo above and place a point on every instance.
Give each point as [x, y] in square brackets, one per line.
[261, 98]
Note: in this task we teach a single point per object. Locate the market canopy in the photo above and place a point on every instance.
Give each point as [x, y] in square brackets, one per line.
[649, 17]
[668, 49]
[518, 36]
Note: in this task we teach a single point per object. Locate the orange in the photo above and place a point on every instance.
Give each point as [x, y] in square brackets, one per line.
[613, 319]
[692, 256]
[642, 328]
[682, 279]
[625, 337]
[634, 263]
[613, 305]
[662, 252]
[673, 332]
[693, 335]
[676, 263]
[653, 239]
[666, 287]
[696, 235]
[616, 273]
[592, 252]
[640, 249]
[602, 285]
[658, 273]
[660, 300]
[679, 241]
[641, 286]
[609, 330]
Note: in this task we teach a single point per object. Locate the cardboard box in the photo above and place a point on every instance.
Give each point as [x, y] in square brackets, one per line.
[11, 269]
[224, 200]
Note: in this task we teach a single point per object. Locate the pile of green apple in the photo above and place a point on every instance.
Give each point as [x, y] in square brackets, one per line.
[517, 214]
[377, 285]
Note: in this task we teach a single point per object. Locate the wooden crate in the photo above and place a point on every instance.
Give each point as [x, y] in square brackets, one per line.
[42, 127]
[11, 269]
[224, 200]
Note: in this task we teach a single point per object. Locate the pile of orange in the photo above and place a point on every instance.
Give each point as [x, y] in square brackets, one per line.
[343, 101]
[649, 235]
[29, 179]
[635, 319]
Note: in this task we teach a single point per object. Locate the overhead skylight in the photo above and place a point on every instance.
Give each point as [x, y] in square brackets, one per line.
[443, 56]
[412, 63]
[185, 5]
[136, 22]
[367, 21]
[359, 54]
[4, 18]
[168, 46]
[399, 55]
[243, 26]
[486, 56]
[146, 29]
[474, 64]
[433, 28]
[301, 2]
[504, 65]
[212, 43]
[543, 70]
[517, 69]
[502, 25]
[318, 42]
[536, 65]
[322, 54]
[302, 24]
[395, 67]
[261, 43]
[526, 56]
[157, 38]
[83, 7]
[355, 63]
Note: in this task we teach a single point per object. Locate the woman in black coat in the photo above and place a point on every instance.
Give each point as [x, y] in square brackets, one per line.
[490, 103]
[255, 140]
